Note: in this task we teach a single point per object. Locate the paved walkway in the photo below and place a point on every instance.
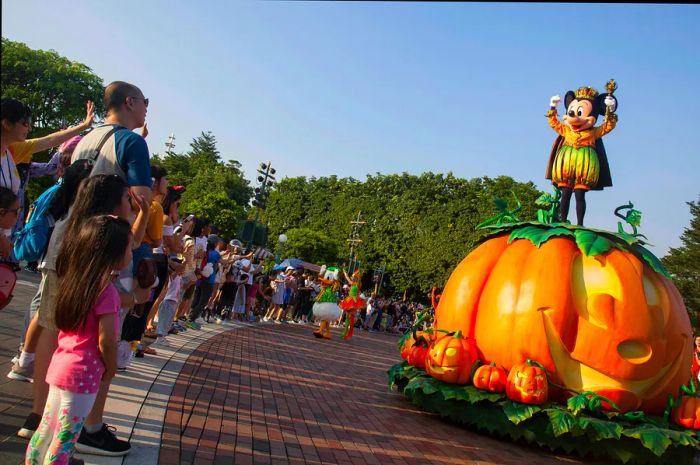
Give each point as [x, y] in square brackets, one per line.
[262, 394]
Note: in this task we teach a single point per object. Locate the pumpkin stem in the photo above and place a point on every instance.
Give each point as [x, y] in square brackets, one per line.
[475, 366]
[458, 334]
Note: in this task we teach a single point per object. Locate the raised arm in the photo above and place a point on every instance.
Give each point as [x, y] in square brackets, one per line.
[59, 137]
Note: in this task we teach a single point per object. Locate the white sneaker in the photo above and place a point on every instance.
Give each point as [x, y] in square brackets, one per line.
[162, 341]
[218, 321]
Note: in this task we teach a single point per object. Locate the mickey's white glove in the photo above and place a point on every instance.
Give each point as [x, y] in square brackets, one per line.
[611, 103]
[554, 101]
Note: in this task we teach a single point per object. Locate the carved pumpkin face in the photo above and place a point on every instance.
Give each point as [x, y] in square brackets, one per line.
[527, 383]
[450, 359]
[605, 323]
[490, 378]
[687, 414]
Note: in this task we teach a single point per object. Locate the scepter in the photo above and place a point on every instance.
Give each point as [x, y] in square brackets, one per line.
[611, 87]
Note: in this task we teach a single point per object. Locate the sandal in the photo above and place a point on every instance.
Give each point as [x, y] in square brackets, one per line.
[149, 351]
[150, 333]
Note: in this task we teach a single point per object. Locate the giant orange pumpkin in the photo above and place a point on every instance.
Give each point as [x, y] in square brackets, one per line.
[607, 323]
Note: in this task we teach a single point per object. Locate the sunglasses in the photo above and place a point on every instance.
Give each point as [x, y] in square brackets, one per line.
[145, 100]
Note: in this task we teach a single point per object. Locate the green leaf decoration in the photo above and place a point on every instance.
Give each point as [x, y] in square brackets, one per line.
[630, 437]
[651, 259]
[538, 235]
[684, 438]
[591, 243]
[598, 429]
[562, 421]
[654, 439]
[424, 383]
[517, 412]
[394, 373]
[469, 394]
[577, 403]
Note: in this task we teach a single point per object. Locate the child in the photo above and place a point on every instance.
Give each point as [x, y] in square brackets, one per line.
[239, 302]
[168, 306]
[227, 292]
[86, 315]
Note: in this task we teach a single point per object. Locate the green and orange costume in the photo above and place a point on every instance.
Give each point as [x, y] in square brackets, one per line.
[351, 304]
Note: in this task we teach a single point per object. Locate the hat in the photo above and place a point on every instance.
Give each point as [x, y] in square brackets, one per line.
[70, 144]
[213, 239]
[235, 243]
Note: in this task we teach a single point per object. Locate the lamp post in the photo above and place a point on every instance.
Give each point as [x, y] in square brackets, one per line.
[282, 239]
[249, 230]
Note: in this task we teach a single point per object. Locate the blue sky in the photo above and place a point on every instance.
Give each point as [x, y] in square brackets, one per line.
[358, 88]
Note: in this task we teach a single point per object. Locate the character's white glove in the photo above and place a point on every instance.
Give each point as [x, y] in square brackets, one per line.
[554, 101]
[610, 103]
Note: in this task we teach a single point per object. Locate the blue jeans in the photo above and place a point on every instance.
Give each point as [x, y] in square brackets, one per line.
[166, 312]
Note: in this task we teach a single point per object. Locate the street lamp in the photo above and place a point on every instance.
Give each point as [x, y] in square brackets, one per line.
[282, 239]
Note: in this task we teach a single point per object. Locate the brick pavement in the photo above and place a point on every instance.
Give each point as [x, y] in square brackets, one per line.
[273, 394]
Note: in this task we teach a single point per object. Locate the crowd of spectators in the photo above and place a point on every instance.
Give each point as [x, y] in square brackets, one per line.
[121, 270]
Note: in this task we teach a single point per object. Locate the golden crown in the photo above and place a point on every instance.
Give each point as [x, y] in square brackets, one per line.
[586, 93]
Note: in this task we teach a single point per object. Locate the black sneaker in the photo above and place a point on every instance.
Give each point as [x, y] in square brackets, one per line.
[30, 425]
[103, 442]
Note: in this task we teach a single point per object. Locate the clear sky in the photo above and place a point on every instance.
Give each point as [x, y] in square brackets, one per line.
[358, 88]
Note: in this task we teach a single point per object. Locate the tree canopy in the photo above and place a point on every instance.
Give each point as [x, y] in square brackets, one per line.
[684, 265]
[215, 189]
[421, 227]
[54, 87]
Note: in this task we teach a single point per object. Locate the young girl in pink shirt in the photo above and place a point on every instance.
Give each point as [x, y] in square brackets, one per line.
[87, 316]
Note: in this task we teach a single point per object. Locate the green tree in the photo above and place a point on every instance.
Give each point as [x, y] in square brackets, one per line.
[421, 227]
[684, 265]
[54, 87]
[311, 246]
[215, 189]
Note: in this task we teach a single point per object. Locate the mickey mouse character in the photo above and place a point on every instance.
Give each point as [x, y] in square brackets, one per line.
[578, 161]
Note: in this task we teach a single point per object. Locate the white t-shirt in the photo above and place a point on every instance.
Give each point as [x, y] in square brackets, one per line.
[9, 176]
[244, 264]
[174, 287]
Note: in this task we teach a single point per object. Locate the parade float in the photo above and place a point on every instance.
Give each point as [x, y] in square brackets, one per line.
[560, 335]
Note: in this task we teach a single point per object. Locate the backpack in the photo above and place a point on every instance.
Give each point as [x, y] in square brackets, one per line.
[31, 241]
[8, 278]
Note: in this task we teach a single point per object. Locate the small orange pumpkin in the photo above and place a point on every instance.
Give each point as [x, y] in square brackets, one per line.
[687, 414]
[412, 340]
[450, 359]
[418, 354]
[490, 378]
[527, 383]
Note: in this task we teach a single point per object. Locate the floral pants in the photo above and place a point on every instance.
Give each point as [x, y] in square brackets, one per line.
[53, 441]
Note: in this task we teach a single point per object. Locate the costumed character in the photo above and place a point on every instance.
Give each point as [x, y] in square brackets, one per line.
[326, 307]
[578, 161]
[352, 303]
